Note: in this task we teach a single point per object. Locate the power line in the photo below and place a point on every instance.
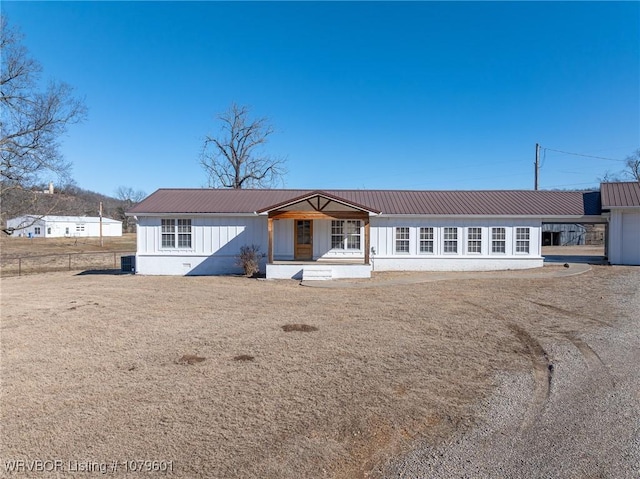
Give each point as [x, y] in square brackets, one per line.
[590, 183]
[579, 154]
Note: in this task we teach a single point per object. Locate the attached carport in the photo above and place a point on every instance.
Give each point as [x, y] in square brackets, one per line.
[590, 214]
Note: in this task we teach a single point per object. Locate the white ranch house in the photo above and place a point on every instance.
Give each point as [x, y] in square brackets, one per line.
[350, 233]
[49, 226]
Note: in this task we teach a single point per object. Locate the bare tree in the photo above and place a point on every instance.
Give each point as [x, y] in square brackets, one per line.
[632, 165]
[609, 177]
[31, 120]
[128, 197]
[235, 159]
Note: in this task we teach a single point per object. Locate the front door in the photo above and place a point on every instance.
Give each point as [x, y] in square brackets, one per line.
[303, 240]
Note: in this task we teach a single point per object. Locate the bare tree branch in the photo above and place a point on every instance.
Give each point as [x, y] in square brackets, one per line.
[31, 120]
[234, 159]
[128, 198]
[632, 165]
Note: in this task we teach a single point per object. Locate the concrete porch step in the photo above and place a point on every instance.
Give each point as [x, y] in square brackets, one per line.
[316, 273]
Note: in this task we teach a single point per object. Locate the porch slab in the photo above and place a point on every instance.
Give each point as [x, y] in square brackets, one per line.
[296, 270]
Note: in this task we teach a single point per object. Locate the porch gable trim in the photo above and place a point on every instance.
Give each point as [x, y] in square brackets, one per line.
[308, 197]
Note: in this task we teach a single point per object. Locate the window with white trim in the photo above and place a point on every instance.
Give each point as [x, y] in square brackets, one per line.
[79, 228]
[498, 240]
[36, 230]
[522, 240]
[426, 239]
[176, 233]
[402, 239]
[474, 240]
[450, 237]
[345, 234]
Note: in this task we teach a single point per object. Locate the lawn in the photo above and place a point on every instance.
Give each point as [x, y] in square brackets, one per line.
[200, 371]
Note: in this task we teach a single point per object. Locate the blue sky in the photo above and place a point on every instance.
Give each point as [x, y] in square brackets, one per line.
[418, 95]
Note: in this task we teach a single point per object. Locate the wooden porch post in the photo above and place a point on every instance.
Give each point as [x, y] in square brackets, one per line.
[367, 241]
[270, 247]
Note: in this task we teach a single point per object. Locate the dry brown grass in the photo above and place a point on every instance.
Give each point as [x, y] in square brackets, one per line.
[89, 366]
[13, 247]
[56, 254]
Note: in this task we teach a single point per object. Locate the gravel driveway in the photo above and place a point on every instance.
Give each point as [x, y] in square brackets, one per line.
[577, 415]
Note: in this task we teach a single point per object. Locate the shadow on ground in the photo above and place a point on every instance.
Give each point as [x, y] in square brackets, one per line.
[553, 258]
[110, 272]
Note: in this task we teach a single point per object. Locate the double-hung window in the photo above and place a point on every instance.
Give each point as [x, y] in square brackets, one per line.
[450, 237]
[522, 240]
[474, 240]
[176, 233]
[36, 230]
[498, 240]
[402, 239]
[345, 234]
[426, 240]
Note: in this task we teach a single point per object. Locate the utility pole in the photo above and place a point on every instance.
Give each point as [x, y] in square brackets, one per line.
[537, 166]
[101, 242]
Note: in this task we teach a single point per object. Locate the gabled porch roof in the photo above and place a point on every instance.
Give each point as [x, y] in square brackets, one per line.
[319, 201]
[317, 205]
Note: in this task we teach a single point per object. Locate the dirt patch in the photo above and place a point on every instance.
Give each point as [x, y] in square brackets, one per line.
[302, 328]
[190, 359]
[243, 357]
[392, 364]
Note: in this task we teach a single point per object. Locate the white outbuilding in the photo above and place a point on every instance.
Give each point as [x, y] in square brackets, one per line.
[621, 201]
[48, 226]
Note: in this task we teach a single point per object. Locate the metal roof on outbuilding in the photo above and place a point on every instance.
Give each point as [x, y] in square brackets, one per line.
[391, 202]
[620, 194]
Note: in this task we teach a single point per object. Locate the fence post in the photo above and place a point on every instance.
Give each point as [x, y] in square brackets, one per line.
[69, 261]
[20, 266]
[114, 260]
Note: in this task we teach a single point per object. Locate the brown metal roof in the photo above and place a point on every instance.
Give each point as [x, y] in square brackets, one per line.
[394, 202]
[622, 194]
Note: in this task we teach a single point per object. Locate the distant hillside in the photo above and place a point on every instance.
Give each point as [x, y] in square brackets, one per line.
[71, 201]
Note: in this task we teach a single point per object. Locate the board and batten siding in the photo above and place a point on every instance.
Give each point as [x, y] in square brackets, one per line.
[283, 240]
[383, 240]
[624, 236]
[216, 242]
[215, 245]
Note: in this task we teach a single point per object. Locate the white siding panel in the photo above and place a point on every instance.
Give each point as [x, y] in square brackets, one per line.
[615, 237]
[283, 239]
[631, 238]
[215, 243]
